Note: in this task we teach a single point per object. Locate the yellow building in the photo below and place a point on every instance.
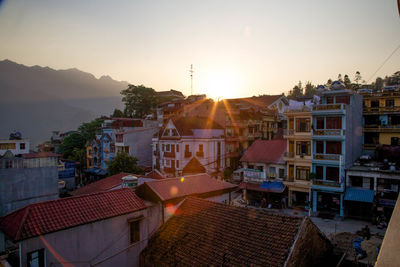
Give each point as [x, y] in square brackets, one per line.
[298, 155]
[381, 118]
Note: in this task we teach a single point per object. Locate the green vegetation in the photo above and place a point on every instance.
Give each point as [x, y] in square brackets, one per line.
[139, 101]
[124, 163]
[73, 146]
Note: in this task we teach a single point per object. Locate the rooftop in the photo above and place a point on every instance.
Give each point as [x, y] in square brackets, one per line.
[265, 151]
[173, 188]
[40, 155]
[51, 216]
[207, 233]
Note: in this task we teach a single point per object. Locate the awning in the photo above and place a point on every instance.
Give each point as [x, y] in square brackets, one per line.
[273, 187]
[359, 195]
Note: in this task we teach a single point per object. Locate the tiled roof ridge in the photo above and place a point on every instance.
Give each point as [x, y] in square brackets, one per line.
[18, 234]
[239, 207]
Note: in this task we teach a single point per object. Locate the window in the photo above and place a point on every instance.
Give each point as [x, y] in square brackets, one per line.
[177, 148]
[356, 181]
[345, 99]
[333, 147]
[177, 164]
[200, 147]
[390, 102]
[22, 146]
[320, 123]
[134, 231]
[168, 163]
[166, 132]
[319, 171]
[374, 103]
[174, 132]
[303, 148]
[333, 122]
[187, 148]
[329, 100]
[302, 173]
[167, 148]
[320, 147]
[36, 258]
[332, 174]
[302, 125]
[281, 173]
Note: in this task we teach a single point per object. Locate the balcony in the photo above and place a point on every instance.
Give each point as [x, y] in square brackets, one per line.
[381, 128]
[369, 146]
[329, 108]
[329, 132]
[156, 153]
[200, 154]
[329, 183]
[188, 154]
[289, 155]
[253, 136]
[331, 157]
[381, 110]
[169, 154]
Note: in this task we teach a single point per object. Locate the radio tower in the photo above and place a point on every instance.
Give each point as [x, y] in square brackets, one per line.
[191, 79]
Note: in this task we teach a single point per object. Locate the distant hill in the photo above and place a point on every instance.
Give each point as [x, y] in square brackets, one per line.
[37, 100]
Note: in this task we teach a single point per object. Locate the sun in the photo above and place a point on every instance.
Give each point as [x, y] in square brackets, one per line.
[221, 85]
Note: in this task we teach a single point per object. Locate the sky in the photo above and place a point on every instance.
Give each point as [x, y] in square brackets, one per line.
[237, 48]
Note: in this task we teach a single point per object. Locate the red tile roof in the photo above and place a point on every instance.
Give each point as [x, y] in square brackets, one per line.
[155, 175]
[193, 166]
[40, 155]
[207, 233]
[185, 125]
[104, 184]
[265, 151]
[51, 216]
[172, 188]
[255, 101]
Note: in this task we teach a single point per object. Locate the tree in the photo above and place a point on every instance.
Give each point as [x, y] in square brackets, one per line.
[118, 113]
[88, 129]
[309, 89]
[296, 91]
[347, 81]
[339, 77]
[357, 77]
[124, 163]
[394, 79]
[72, 145]
[139, 101]
[329, 82]
[378, 84]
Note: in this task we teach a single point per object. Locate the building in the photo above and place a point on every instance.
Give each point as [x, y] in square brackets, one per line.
[171, 192]
[102, 229]
[15, 146]
[111, 183]
[67, 173]
[205, 233]
[298, 153]
[250, 119]
[174, 94]
[336, 143]
[381, 118]
[372, 189]
[26, 179]
[264, 171]
[188, 145]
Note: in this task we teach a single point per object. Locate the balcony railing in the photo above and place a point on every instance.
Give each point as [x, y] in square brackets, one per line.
[169, 154]
[381, 109]
[370, 146]
[328, 107]
[169, 170]
[156, 153]
[381, 128]
[325, 183]
[329, 132]
[289, 154]
[188, 154]
[335, 157]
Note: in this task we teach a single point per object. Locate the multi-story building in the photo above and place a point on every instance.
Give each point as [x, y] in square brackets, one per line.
[381, 118]
[250, 119]
[189, 145]
[336, 143]
[26, 179]
[298, 154]
[16, 146]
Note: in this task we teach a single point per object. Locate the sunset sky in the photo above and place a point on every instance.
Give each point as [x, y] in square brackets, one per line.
[237, 48]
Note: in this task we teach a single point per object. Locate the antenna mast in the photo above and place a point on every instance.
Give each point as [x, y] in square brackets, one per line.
[191, 79]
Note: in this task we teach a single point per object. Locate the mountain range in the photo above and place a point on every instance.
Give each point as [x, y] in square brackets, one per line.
[38, 100]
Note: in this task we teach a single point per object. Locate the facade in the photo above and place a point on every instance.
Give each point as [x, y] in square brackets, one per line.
[378, 181]
[206, 233]
[381, 119]
[67, 173]
[16, 146]
[27, 179]
[102, 229]
[250, 119]
[298, 155]
[188, 145]
[336, 143]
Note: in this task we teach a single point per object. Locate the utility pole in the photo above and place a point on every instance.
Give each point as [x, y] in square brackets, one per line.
[191, 79]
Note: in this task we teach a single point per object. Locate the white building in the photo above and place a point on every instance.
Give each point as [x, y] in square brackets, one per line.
[189, 145]
[17, 147]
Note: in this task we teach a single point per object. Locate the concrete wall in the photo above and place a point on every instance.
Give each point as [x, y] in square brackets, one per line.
[354, 132]
[21, 187]
[97, 243]
[140, 144]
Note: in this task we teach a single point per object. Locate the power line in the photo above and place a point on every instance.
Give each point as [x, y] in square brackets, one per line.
[384, 62]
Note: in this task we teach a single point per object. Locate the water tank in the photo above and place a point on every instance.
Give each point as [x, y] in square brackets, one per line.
[337, 85]
[129, 181]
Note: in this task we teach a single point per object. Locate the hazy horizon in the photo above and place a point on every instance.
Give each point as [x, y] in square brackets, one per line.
[237, 48]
